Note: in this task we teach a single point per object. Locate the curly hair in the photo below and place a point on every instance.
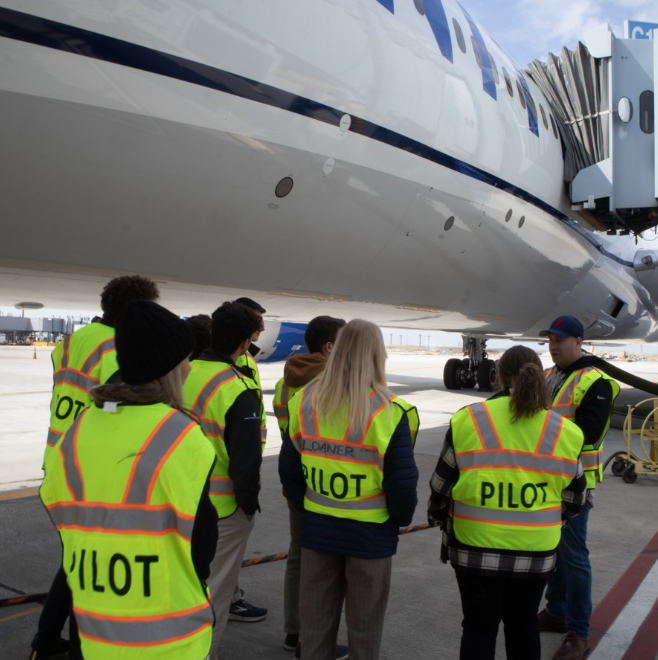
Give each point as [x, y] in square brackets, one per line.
[122, 290]
[201, 325]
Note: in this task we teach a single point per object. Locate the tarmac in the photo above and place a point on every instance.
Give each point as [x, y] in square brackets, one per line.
[424, 613]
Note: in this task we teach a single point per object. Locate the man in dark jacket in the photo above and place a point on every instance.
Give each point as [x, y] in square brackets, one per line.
[585, 394]
[228, 406]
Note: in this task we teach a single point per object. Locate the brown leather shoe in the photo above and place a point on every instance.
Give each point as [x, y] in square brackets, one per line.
[549, 623]
[573, 647]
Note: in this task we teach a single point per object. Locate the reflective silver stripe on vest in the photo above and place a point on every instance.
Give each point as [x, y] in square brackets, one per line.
[564, 405]
[340, 451]
[484, 427]
[53, 437]
[121, 518]
[65, 353]
[591, 460]
[378, 502]
[518, 517]
[219, 486]
[307, 421]
[145, 471]
[309, 427]
[77, 379]
[281, 409]
[551, 433]
[132, 630]
[216, 381]
[95, 356]
[211, 427]
[512, 459]
[73, 476]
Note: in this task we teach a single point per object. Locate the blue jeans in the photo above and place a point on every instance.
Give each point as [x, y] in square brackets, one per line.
[569, 589]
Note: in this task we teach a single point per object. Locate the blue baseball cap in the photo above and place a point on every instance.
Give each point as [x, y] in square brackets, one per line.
[565, 326]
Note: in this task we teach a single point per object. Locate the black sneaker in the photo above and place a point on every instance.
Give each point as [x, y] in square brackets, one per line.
[241, 610]
[59, 652]
[291, 642]
[342, 652]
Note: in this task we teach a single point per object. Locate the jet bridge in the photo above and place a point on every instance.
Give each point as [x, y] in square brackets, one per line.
[603, 92]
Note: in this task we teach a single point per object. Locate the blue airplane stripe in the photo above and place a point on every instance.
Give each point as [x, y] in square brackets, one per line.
[488, 81]
[436, 16]
[50, 34]
[532, 120]
[389, 4]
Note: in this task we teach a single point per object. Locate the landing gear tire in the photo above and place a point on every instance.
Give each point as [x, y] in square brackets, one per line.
[487, 375]
[451, 373]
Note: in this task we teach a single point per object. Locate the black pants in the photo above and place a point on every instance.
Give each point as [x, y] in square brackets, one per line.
[487, 600]
[55, 611]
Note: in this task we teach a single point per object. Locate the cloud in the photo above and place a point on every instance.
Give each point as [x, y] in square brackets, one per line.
[530, 29]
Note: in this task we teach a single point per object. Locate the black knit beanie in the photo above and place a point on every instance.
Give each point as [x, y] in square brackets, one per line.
[150, 341]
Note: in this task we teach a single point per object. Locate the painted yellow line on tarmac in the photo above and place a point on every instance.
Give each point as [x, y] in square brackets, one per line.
[18, 494]
[18, 615]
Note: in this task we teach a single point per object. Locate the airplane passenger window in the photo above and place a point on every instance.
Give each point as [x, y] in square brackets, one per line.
[519, 89]
[646, 112]
[508, 83]
[494, 70]
[420, 7]
[543, 116]
[460, 35]
[531, 103]
[554, 126]
[478, 54]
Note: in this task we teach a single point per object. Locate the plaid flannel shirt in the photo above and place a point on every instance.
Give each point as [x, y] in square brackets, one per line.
[490, 561]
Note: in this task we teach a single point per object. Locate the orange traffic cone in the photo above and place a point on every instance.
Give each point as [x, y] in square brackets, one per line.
[35, 353]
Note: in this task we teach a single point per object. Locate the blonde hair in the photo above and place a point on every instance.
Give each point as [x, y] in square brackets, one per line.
[355, 367]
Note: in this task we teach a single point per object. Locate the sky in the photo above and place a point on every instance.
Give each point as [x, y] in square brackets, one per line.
[530, 29]
[525, 30]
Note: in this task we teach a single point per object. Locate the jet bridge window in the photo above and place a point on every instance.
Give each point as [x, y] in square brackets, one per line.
[508, 83]
[460, 35]
[646, 112]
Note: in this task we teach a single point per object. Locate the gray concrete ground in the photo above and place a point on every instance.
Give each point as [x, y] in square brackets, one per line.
[423, 619]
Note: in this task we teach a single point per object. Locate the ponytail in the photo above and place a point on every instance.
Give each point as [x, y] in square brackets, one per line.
[521, 370]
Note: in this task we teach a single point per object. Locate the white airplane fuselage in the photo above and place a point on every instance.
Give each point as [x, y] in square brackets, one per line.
[160, 137]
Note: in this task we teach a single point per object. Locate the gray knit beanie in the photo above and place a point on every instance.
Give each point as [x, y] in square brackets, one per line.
[150, 341]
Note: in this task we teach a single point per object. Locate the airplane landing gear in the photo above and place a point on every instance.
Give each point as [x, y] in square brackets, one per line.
[475, 368]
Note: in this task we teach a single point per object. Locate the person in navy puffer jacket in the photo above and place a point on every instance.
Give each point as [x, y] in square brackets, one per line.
[347, 462]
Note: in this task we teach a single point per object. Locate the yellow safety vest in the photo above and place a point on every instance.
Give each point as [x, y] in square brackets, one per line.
[123, 490]
[282, 395]
[81, 361]
[511, 476]
[209, 392]
[344, 471]
[247, 361]
[566, 402]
